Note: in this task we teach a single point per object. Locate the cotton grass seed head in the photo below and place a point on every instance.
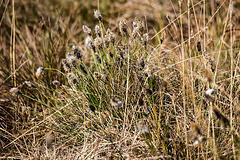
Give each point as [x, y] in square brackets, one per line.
[145, 39]
[213, 65]
[138, 25]
[39, 71]
[111, 36]
[142, 62]
[72, 79]
[202, 139]
[123, 27]
[66, 66]
[15, 91]
[99, 76]
[135, 32]
[98, 42]
[72, 61]
[106, 41]
[76, 52]
[142, 127]
[116, 103]
[98, 15]
[83, 69]
[135, 22]
[87, 30]
[208, 94]
[98, 31]
[149, 69]
[89, 43]
[56, 83]
[30, 84]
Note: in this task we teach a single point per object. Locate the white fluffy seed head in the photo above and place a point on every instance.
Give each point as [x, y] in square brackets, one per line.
[89, 43]
[39, 71]
[87, 30]
[98, 15]
[15, 91]
[210, 92]
[98, 31]
[56, 83]
[116, 103]
[196, 142]
[30, 84]
[142, 127]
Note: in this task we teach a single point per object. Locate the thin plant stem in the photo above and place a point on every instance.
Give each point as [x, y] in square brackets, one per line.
[183, 79]
[232, 63]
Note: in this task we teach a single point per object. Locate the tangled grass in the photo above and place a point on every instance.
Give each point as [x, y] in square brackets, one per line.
[121, 90]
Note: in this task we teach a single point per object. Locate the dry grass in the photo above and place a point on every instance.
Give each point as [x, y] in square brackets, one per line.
[166, 87]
